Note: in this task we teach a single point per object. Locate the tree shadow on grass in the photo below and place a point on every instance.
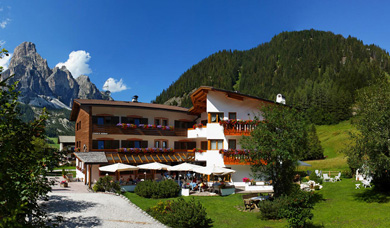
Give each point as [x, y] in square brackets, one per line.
[372, 196]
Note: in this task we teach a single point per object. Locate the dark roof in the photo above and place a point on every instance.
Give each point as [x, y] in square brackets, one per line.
[92, 157]
[78, 102]
[66, 139]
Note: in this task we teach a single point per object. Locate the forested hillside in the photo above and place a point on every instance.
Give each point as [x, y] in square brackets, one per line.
[316, 71]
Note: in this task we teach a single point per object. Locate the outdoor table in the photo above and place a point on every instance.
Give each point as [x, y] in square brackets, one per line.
[257, 199]
[357, 186]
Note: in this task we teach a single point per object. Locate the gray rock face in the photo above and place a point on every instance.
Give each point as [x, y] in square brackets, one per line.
[37, 82]
[63, 85]
[87, 89]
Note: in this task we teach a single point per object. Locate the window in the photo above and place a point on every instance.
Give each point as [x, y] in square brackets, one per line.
[161, 121]
[134, 144]
[232, 116]
[161, 144]
[100, 120]
[104, 120]
[216, 144]
[135, 121]
[232, 144]
[185, 145]
[215, 117]
[183, 124]
[203, 145]
[105, 144]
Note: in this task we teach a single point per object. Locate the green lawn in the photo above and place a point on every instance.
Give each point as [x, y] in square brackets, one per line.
[334, 139]
[343, 206]
[55, 145]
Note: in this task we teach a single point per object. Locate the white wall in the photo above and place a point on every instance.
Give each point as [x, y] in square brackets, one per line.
[212, 157]
[218, 102]
[197, 133]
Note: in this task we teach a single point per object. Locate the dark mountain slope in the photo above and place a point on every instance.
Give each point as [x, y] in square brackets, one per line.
[316, 71]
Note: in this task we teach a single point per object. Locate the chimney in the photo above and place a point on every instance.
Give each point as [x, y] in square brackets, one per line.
[280, 99]
[135, 98]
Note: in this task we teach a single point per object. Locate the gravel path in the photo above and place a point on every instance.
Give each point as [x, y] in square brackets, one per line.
[97, 210]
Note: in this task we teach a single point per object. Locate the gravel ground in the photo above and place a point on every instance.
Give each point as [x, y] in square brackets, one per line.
[97, 210]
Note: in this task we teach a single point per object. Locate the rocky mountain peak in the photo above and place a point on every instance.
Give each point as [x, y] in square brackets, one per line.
[41, 86]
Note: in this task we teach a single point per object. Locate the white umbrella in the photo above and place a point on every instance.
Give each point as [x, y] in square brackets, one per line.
[216, 170]
[118, 167]
[185, 167]
[301, 163]
[154, 166]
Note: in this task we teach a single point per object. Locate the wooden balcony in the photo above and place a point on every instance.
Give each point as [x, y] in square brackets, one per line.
[111, 129]
[140, 158]
[235, 161]
[239, 129]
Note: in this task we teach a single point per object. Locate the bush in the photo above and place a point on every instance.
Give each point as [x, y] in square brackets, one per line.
[273, 209]
[106, 184]
[313, 176]
[157, 190]
[181, 213]
[347, 173]
[298, 209]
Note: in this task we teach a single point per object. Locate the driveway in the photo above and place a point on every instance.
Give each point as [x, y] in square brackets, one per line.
[85, 209]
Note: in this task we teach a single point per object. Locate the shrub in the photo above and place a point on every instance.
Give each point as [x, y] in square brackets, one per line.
[298, 209]
[313, 176]
[273, 209]
[347, 173]
[106, 184]
[181, 213]
[156, 190]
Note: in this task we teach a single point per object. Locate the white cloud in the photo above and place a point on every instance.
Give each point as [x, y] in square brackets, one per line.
[114, 85]
[4, 23]
[77, 63]
[2, 43]
[4, 61]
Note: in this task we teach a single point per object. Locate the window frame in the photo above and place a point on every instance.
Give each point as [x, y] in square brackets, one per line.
[217, 141]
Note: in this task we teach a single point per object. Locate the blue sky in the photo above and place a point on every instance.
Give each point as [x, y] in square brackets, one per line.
[149, 44]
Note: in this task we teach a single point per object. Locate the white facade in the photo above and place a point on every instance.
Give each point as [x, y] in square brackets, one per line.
[245, 108]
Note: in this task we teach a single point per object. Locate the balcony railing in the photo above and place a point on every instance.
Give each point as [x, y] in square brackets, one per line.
[111, 129]
[139, 158]
[239, 127]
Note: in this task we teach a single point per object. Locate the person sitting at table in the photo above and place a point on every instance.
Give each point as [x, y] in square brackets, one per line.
[121, 180]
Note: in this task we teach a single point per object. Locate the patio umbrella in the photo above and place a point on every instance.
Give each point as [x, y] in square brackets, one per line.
[154, 166]
[118, 167]
[301, 163]
[216, 170]
[184, 167]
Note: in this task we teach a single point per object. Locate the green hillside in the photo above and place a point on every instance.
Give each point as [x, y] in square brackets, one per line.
[317, 71]
[334, 139]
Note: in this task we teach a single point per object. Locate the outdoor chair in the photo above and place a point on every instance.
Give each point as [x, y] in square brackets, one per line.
[337, 178]
[367, 183]
[317, 173]
[326, 177]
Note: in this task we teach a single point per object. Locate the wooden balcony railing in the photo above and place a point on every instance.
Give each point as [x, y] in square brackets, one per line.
[111, 129]
[239, 127]
[139, 158]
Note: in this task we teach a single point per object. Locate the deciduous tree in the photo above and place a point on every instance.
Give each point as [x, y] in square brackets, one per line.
[24, 162]
[276, 145]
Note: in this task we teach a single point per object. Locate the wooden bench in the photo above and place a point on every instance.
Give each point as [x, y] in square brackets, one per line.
[248, 203]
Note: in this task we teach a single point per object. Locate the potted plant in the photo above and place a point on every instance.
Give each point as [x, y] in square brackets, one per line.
[246, 180]
[185, 191]
[226, 190]
[64, 184]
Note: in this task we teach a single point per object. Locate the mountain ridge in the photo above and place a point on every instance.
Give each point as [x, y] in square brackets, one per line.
[317, 71]
[39, 85]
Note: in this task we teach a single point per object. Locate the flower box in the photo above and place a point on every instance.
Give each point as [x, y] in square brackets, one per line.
[227, 191]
